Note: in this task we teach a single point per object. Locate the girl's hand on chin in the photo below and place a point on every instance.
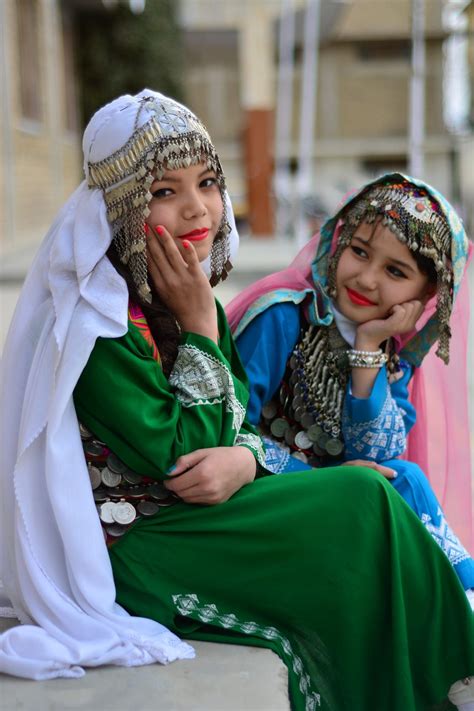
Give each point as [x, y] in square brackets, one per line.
[401, 319]
[181, 283]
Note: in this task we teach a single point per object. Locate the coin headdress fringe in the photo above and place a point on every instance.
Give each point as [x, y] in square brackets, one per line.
[166, 135]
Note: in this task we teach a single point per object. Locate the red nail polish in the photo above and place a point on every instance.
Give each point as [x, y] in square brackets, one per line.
[186, 244]
[159, 229]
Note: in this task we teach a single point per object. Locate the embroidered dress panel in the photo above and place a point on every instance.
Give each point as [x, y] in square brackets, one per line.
[189, 606]
[201, 379]
[445, 536]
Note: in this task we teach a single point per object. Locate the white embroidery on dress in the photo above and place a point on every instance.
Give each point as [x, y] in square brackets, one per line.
[254, 443]
[446, 538]
[201, 379]
[382, 438]
[188, 605]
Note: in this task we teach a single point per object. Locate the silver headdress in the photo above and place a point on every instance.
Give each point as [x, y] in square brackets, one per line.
[416, 219]
[164, 135]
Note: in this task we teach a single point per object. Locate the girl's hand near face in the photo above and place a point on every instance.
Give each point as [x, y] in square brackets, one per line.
[181, 283]
[212, 476]
[401, 319]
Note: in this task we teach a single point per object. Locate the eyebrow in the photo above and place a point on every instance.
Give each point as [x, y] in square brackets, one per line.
[399, 262]
[170, 179]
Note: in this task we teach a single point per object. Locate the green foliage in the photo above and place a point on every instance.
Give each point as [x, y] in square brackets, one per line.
[119, 52]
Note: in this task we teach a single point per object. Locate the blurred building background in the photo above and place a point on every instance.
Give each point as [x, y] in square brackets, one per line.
[60, 59]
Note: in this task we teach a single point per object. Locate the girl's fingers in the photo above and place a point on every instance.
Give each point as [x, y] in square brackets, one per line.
[169, 248]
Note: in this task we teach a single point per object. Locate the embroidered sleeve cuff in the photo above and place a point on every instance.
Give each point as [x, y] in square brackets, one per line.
[254, 443]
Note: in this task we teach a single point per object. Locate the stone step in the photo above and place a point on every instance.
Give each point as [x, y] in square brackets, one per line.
[222, 677]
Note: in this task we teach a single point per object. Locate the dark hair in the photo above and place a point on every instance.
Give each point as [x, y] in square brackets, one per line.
[426, 267]
[162, 324]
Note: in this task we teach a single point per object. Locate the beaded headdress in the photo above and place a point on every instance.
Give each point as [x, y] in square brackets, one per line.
[416, 219]
[166, 135]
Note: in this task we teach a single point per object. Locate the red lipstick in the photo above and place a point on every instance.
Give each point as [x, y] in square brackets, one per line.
[358, 299]
[195, 235]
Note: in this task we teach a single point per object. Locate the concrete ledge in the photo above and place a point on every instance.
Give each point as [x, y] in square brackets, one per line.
[222, 677]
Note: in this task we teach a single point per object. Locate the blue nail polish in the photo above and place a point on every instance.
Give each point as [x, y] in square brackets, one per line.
[171, 469]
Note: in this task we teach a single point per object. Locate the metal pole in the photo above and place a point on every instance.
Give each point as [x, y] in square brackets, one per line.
[283, 116]
[309, 91]
[417, 91]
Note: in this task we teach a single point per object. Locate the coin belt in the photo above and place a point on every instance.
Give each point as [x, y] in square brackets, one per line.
[121, 495]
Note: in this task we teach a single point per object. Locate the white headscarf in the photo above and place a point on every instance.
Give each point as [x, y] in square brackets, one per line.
[53, 560]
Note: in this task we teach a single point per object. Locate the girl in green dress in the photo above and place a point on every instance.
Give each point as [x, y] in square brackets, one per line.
[360, 604]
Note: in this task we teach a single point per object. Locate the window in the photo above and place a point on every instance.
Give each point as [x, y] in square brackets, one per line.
[29, 59]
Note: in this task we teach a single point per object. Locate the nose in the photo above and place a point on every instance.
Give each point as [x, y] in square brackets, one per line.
[367, 278]
[193, 205]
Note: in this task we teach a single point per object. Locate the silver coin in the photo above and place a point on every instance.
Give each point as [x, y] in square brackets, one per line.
[301, 456]
[115, 530]
[278, 427]
[322, 439]
[132, 477]
[319, 451]
[94, 476]
[293, 362]
[124, 513]
[307, 420]
[157, 491]
[297, 401]
[313, 432]
[303, 441]
[100, 495]
[294, 379]
[84, 432]
[299, 412]
[136, 492]
[115, 464]
[168, 502]
[109, 478]
[298, 389]
[117, 493]
[269, 410]
[105, 511]
[93, 448]
[147, 508]
[290, 436]
[334, 446]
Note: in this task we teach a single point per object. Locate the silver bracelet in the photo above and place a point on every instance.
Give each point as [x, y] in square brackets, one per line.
[366, 359]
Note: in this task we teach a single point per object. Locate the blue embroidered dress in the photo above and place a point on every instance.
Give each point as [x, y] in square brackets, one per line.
[373, 429]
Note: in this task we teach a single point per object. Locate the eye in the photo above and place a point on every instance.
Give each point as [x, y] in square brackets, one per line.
[358, 251]
[396, 272]
[162, 192]
[208, 182]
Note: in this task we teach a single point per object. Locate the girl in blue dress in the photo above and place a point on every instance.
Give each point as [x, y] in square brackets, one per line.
[331, 348]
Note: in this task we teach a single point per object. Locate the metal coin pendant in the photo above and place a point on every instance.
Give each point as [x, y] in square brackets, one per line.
[84, 432]
[303, 441]
[100, 495]
[290, 434]
[334, 447]
[106, 510]
[269, 410]
[157, 491]
[147, 508]
[301, 456]
[124, 513]
[115, 464]
[132, 477]
[94, 476]
[313, 432]
[115, 530]
[109, 478]
[279, 426]
[93, 448]
[307, 420]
